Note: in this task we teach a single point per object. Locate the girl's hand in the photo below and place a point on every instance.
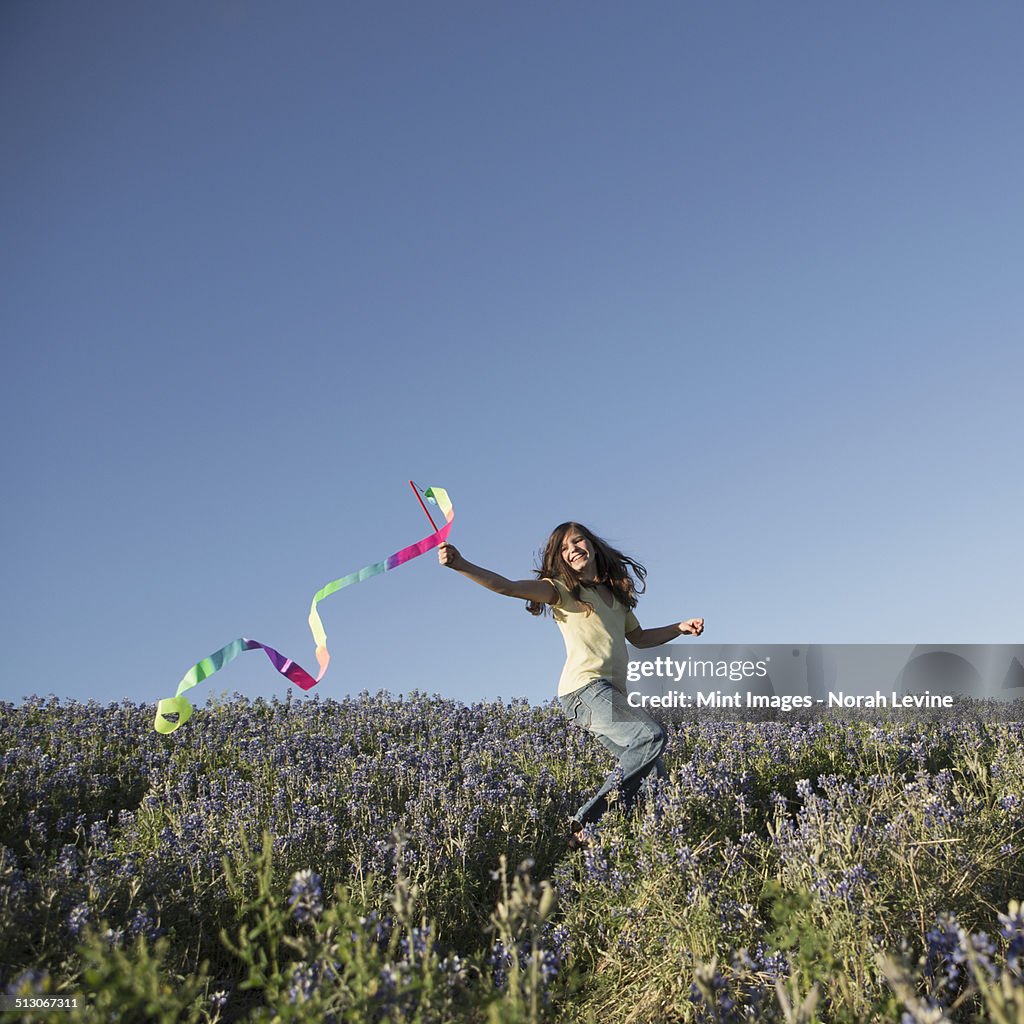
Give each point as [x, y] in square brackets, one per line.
[691, 627]
[448, 554]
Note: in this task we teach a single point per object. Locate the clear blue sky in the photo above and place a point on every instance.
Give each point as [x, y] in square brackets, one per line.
[739, 285]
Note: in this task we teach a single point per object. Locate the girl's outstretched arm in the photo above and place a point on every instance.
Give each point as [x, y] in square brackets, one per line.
[665, 634]
[526, 590]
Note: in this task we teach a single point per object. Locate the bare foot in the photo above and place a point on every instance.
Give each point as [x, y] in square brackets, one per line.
[579, 837]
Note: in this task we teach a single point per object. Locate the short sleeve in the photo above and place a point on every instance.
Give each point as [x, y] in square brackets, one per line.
[560, 590]
[631, 621]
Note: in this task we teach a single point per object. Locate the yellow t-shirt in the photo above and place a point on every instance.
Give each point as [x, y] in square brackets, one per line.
[595, 644]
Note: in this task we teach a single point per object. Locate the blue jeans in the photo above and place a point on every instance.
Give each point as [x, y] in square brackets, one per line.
[629, 734]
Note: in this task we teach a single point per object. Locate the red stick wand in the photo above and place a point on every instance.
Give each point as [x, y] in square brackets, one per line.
[416, 491]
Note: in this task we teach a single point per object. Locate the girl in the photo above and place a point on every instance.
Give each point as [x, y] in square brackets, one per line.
[591, 590]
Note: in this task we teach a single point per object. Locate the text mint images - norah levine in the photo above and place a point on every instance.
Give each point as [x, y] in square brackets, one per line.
[717, 699]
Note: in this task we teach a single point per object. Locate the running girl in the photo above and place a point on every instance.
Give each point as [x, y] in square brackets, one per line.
[591, 590]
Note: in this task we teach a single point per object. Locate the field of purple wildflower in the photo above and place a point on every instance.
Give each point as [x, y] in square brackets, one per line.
[404, 859]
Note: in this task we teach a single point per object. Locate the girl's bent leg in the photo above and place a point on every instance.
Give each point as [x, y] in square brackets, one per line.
[629, 733]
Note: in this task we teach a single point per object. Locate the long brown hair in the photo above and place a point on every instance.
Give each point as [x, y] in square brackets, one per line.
[620, 573]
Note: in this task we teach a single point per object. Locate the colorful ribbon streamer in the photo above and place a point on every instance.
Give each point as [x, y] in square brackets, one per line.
[173, 712]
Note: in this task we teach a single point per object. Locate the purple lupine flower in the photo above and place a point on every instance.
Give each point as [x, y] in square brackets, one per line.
[305, 900]
[499, 960]
[304, 982]
[1012, 929]
[78, 918]
[32, 979]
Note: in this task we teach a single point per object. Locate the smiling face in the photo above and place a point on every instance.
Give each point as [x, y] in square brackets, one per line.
[578, 553]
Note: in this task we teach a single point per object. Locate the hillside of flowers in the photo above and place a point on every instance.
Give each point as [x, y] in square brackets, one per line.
[405, 859]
